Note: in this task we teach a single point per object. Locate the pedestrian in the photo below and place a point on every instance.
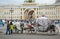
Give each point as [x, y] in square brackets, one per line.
[11, 27]
[22, 27]
[17, 27]
[8, 28]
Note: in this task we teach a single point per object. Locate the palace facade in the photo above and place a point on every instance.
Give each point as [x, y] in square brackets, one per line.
[29, 9]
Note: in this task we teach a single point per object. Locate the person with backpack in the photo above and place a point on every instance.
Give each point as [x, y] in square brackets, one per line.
[11, 27]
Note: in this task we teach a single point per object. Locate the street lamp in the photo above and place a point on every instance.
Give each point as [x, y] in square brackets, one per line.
[11, 13]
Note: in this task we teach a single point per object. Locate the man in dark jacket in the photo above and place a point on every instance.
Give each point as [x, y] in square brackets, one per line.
[8, 28]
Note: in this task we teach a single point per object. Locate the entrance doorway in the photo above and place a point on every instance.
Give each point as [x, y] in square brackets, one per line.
[29, 14]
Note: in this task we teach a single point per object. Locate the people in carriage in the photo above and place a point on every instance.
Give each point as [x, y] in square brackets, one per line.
[30, 27]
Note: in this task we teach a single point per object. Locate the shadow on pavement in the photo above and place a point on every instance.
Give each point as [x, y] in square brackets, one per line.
[42, 34]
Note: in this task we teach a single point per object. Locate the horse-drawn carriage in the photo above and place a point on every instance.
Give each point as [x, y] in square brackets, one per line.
[43, 24]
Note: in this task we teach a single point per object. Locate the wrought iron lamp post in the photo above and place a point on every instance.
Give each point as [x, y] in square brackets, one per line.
[11, 13]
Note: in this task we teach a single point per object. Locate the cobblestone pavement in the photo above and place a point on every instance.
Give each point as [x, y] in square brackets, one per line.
[29, 36]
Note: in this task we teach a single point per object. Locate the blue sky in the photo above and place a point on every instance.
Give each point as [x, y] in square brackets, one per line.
[21, 1]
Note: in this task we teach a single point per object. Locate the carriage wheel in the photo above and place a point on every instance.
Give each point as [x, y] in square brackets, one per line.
[56, 31]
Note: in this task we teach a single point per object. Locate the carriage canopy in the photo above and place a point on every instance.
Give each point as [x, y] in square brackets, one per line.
[43, 21]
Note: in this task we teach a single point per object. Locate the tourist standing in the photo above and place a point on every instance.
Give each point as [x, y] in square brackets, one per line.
[11, 27]
[8, 28]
